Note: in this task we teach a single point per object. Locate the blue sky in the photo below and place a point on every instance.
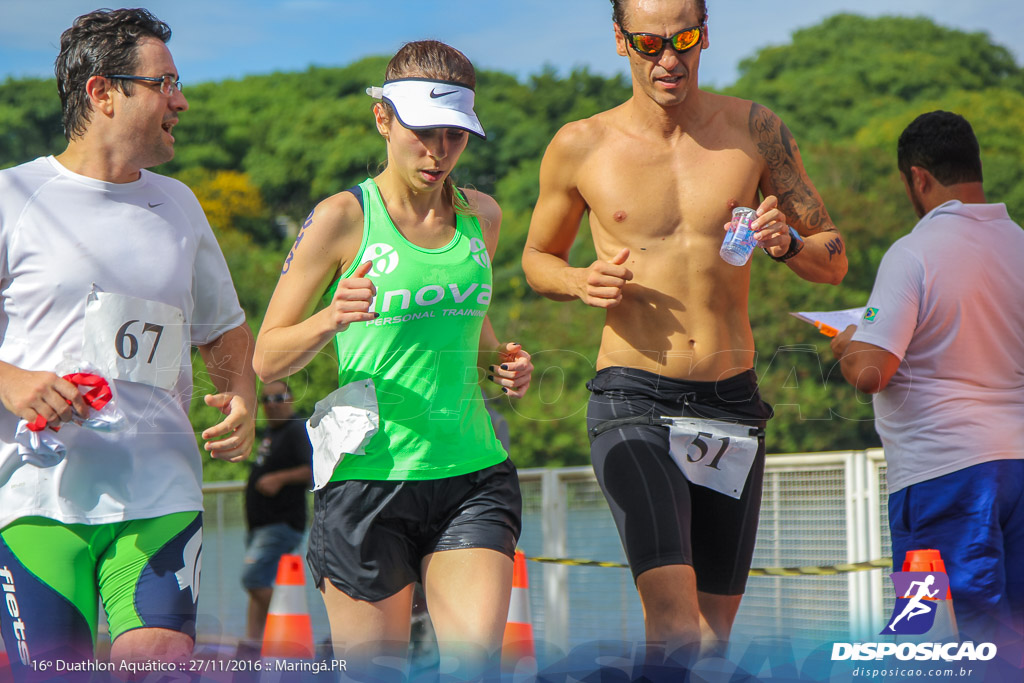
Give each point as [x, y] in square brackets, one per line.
[217, 39]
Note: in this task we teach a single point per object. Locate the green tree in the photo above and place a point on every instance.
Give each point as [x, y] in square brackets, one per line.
[30, 120]
[832, 77]
[995, 116]
[264, 147]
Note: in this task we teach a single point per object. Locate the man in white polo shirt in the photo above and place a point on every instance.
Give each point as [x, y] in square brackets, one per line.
[108, 268]
[941, 347]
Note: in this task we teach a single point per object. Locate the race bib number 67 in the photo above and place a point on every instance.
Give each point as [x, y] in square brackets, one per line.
[134, 339]
[713, 453]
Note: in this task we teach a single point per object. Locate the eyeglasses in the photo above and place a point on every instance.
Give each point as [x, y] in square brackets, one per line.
[651, 44]
[275, 398]
[168, 84]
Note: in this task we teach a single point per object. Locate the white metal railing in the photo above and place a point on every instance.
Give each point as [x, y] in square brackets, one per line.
[864, 529]
[817, 509]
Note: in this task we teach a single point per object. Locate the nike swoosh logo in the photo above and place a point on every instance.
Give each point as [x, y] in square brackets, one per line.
[435, 95]
[153, 206]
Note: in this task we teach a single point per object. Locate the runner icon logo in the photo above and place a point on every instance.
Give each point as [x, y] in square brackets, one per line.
[917, 600]
[918, 596]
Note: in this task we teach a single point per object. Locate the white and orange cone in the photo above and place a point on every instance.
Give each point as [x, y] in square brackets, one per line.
[289, 631]
[518, 641]
[930, 560]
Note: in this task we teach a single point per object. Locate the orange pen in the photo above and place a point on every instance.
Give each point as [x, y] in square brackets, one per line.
[826, 330]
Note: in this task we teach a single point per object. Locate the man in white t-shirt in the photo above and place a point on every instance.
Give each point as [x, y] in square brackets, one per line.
[110, 270]
[941, 347]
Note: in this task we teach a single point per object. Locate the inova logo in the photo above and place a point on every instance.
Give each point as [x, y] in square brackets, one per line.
[383, 256]
[478, 250]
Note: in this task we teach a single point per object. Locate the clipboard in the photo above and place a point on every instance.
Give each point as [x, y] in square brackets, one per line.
[831, 323]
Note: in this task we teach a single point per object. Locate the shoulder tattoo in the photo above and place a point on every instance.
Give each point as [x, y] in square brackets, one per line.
[302, 233]
[777, 147]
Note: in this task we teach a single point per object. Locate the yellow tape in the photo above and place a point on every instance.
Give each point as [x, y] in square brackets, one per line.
[826, 570]
[578, 563]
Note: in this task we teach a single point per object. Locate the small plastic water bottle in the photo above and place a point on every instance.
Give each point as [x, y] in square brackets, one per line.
[739, 240]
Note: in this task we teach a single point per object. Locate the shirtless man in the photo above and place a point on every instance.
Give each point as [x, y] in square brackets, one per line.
[657, 177]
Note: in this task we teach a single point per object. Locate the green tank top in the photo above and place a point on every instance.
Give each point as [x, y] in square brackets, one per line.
[421, 352]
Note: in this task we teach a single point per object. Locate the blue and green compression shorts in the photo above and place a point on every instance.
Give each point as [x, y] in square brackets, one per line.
[52, 576]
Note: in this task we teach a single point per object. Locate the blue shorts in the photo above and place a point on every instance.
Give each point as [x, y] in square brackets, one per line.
[975, 519]
[264, 547]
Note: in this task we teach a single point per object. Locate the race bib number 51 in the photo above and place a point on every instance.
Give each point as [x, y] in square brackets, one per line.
[712, 453]
[133, 339]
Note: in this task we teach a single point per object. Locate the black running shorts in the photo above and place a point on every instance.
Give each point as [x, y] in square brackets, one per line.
[369, 537]
[662, 518]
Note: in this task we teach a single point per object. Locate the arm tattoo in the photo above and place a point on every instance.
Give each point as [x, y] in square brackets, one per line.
[834, 247]
[298, 238]
[785, 175]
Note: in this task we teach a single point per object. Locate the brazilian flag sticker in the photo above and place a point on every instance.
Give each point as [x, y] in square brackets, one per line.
[870, 314]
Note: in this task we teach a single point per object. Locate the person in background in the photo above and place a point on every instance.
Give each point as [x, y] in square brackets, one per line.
[941, 348]
[275, 502]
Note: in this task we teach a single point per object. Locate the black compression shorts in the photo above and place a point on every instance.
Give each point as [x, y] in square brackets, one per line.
[662, 518]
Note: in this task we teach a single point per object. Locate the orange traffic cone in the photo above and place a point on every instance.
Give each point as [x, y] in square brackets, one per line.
[518, 641]
[930, 560]
[289, 632]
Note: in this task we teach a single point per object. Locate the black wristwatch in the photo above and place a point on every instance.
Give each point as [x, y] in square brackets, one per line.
[796, 245]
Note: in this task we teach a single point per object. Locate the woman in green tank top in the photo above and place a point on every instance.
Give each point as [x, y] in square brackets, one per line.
[410, 482]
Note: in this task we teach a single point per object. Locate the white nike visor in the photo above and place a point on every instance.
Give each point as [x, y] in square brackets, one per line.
[424, 103]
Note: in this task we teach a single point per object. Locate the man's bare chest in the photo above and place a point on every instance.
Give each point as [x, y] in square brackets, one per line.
[651, 193]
